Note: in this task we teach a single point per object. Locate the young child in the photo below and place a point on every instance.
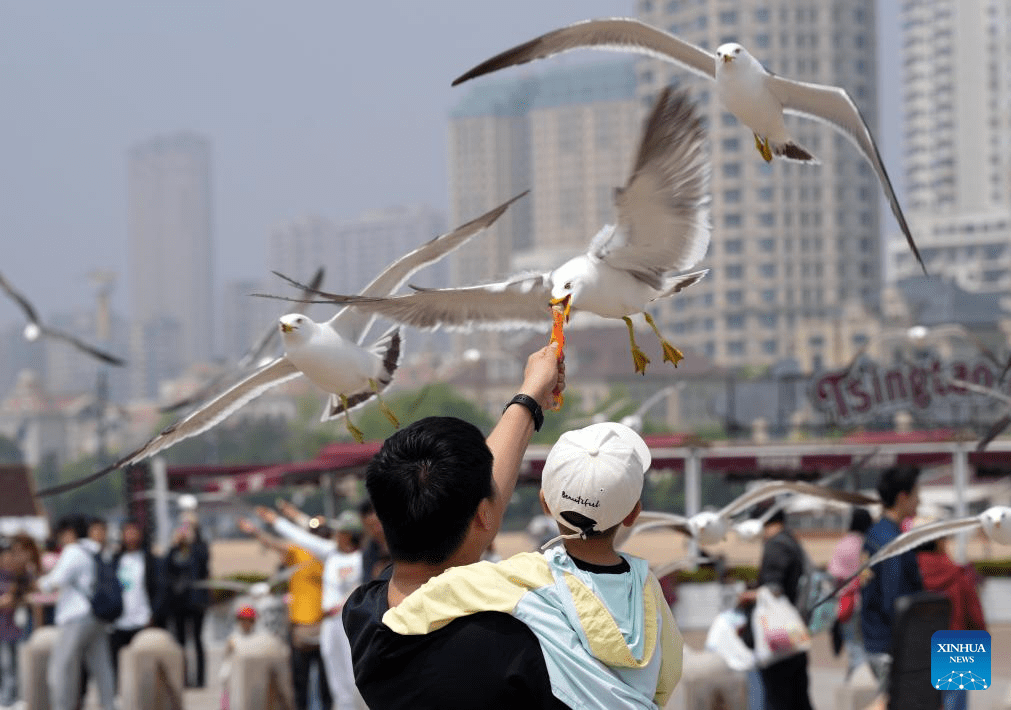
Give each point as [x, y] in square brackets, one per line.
[607, 635]
[245, 620]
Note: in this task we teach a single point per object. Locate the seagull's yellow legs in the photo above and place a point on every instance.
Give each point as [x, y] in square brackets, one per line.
[764, 148]
[387, 412]
[638, 356]
[670, 353]
[352, 429]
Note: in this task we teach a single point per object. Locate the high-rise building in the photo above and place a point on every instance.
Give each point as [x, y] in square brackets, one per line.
[568, 134]
[791, 244]
[170, 252]
[956, 59]
[298, 247]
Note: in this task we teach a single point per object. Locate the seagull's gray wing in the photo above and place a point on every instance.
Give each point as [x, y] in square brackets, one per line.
[911, 540]
[30, 313]
[995, 430]
[212, 413]
[285, 574]
[832, 105]
[663, 210]
[652, 521]
[979, 389]
[81, 345]
[352, 324]
[771, 490]
[617, 33]
[521, 301]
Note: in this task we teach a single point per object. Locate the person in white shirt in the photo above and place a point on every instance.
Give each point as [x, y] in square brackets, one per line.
[144, 591]
[82, 636]
[342, 573]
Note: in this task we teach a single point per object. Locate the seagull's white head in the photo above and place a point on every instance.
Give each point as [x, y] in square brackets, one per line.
[31, 332]
[748, 529]
[567, 282]
[633, 422]
[997, 524]
[708, 528]
[731, 53]
[296, 328]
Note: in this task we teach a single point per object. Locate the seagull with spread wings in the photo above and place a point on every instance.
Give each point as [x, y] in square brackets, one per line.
[711, 527]
[254, 357]
[34, 328]
[331, 354]
[756, 96]
[662, 229]
[995, 522]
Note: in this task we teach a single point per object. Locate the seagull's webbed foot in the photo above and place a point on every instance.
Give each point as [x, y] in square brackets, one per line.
[764, 148]
[638, 356]
[352, 429]
[670, 353]
[383, 407]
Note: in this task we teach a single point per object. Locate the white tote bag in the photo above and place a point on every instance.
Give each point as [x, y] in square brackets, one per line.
[778, 629]
[723, 640]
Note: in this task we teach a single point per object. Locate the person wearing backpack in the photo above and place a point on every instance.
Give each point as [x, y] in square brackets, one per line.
[86, 601]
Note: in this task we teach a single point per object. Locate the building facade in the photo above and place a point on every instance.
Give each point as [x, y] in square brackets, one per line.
[956, 59]
[792, 244]
[171, 254]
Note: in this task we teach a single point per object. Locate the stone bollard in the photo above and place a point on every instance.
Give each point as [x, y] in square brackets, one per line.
[33, 662]
[709, 684]
[858, 692]
[151, 672]
[261, 675]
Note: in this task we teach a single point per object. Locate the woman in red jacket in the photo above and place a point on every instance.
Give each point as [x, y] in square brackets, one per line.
[941, 574]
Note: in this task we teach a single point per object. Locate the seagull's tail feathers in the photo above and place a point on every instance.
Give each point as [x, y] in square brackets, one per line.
[388, 348]
[793, 151]
[676, 284]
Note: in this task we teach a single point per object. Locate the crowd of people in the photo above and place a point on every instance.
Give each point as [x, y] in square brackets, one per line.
[64, 586]
[396, 604]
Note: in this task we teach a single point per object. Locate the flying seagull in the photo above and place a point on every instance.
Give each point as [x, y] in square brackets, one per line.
[995, 522]
[34, 328]
[253, 357]
[1000, 425]
[756, 96]
[710, 527]
[662, 229]
[330, 354]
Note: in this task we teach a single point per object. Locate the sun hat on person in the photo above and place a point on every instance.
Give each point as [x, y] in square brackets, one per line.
[596, 473]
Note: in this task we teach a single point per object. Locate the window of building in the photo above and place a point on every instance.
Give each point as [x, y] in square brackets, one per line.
[769, 295]
[735, 321]
[816, 341]
[762, 14]
[735, 271]
[765, 194]
[769, 320]
[767, 271]
[728, 119]
[736, 347]
[708, 324]
[769, 347]
[766, 219]
[735, 297]
[732, 220]
[709, 349]
[731, 145]
[767, 245]
[731, 169]
[733, 246]
[707, 300]
[728, 17]
[731, 196]
[762, 41]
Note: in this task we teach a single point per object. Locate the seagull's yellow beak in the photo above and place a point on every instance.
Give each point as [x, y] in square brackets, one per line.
[727, 58]
[285, 328]
[565, 302]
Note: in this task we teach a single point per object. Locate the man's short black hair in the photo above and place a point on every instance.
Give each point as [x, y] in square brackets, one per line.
[778, 517]
[860, 520]
[426, 483]
[895, 480]
[77, 523]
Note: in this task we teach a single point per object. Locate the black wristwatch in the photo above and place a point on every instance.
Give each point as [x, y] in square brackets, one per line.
[530, 403]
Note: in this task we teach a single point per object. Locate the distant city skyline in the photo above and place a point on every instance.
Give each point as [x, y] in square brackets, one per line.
[311, 126]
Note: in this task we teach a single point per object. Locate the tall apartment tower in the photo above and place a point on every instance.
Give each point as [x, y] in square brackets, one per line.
[956, 59]
[567, 133]
[170, 256]
[792, 244]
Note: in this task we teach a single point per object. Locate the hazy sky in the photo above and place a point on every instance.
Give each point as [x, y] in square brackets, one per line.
[317, 107]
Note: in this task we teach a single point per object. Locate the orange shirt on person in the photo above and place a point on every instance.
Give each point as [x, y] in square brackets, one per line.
[305, 588]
